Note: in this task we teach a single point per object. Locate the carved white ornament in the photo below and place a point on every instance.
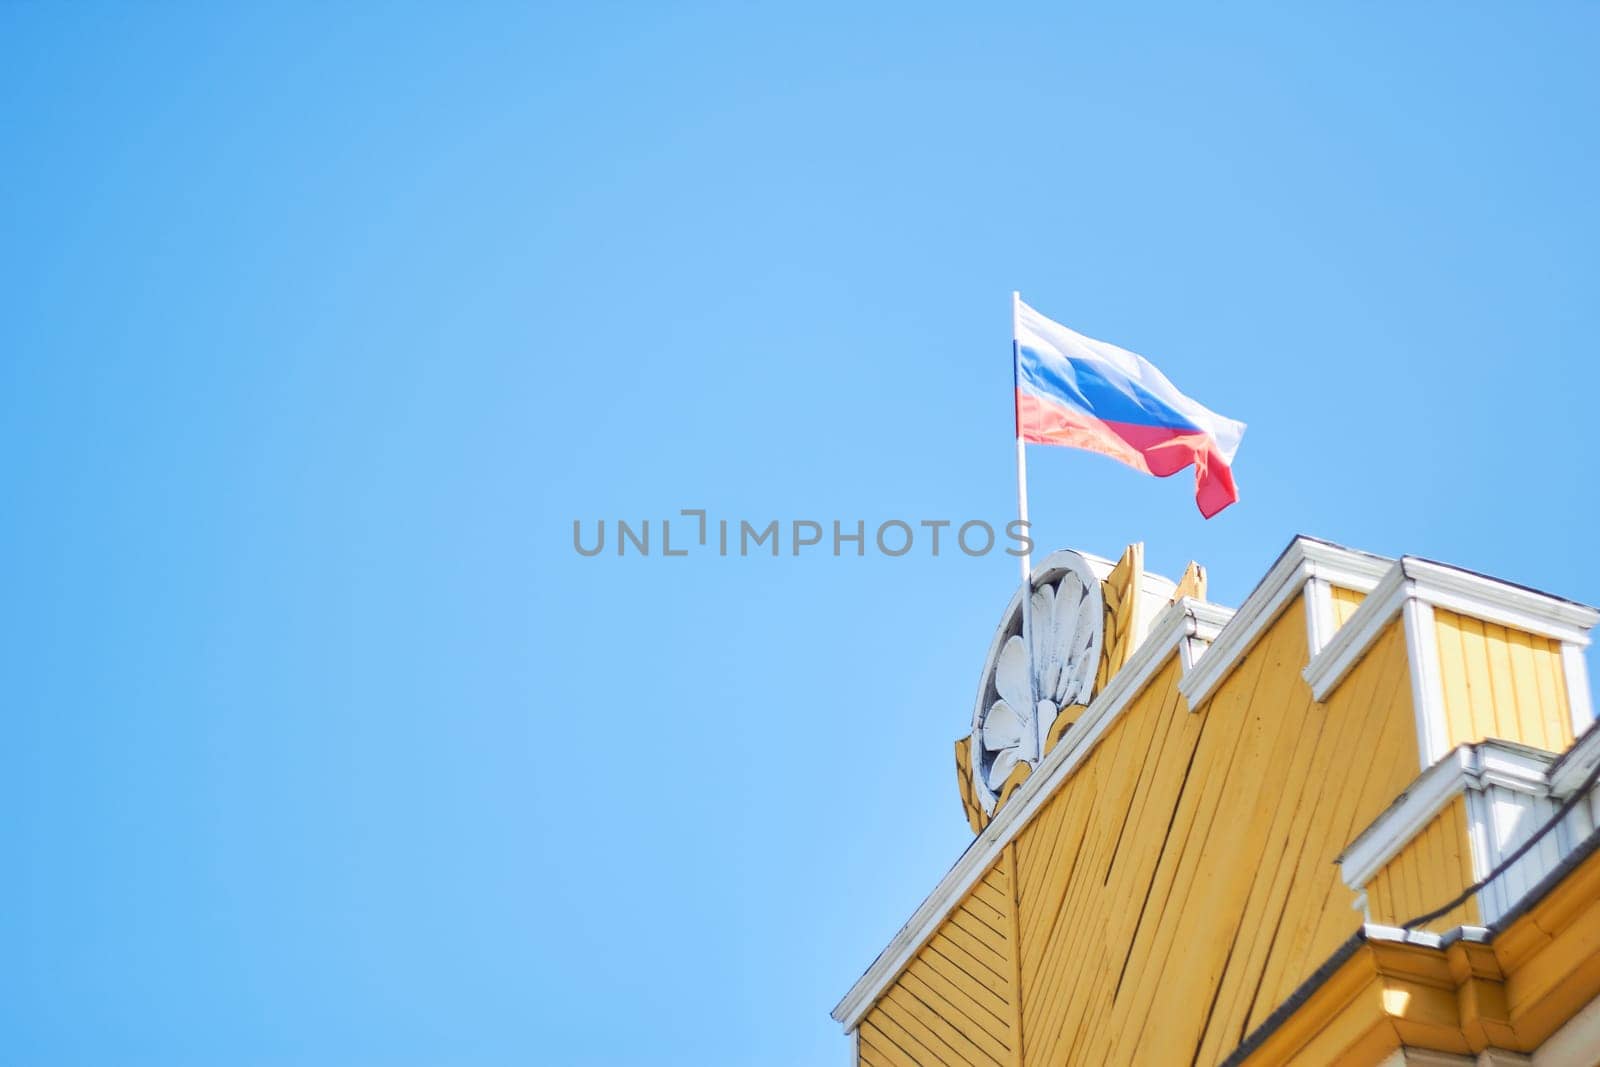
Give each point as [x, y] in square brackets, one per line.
[1011, 719]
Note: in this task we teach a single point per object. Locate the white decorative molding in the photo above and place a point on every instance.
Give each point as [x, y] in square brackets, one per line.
[1575, 764]
[1207, 621]
[1465, 769]
[1576, 670]
[1407, 1056]
[1176, 624]
[1427, 681]
[1416, 587]
[1320, 621]
[1508, 819]
[1344, 650]
[1155, 593]
[1500, 1057]
[1478, 843]
[1013, 711]
[1303, 561]
[1566, 778]
[1491, 600]
[1510, 766]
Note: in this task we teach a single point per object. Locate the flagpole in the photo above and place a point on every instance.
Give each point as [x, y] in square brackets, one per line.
[1037, 743]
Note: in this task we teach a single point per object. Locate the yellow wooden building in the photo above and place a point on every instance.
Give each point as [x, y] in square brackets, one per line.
[1351, 822]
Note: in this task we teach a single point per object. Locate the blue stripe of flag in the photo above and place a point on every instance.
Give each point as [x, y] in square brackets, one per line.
[1086, 386]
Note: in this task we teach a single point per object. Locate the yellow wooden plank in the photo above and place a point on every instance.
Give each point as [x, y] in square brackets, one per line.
[915, 1037]
[1502, 683]
[1393, 765]
[1074, 966]
[958, 1006]
[1099, 967]
[967, 1042]
[1137, 929]
[997, 879]
[1069, 942]
[1459, 850]
[977, 939]
[954, 959]
[1014, 944]
[1228, 876]
[982, 923]
[1154, 981]
[1041, 908]
[1268, 896]
[1378, 901]
[1438, 873]
[1234, 878]
[885, 1050]
[1068, 828]
[1550, 683]
[1348, 711]
[1345, 603]
[1419, 872]
[1524, 680]
[1071, 964]
[1373, 707]
[1138, 879]
[979, 1004]
[913, 1043]
[991, 900]
[1311, 806]
[976, 950]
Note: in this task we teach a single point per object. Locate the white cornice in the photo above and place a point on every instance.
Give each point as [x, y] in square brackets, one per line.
[1304, 560]
[1328, 667]
[1474, 767]
[1576, 671]
[1511, 606]
[1450, 589]
[1169, 631]
[1575, 764]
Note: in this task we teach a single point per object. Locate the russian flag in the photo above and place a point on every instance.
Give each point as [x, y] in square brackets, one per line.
[1073, 390]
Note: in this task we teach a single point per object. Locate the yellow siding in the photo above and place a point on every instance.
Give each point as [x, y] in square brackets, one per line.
[956, 1001]
[1434, 867]
[1501, 683]
[1345, 603]
[1180, 883]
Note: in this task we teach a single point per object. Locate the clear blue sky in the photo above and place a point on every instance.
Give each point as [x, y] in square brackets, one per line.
[322, 746]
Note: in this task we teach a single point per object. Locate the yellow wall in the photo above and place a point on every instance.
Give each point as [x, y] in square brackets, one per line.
[1501, 683]
[1434, 867]
[1345, 603]
[955, 1003]
[1180, 883]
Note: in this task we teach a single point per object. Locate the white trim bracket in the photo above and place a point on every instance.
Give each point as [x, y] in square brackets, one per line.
[1415, 588]
[1307, 564]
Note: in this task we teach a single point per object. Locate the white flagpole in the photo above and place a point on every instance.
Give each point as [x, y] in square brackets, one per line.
[1037, 742]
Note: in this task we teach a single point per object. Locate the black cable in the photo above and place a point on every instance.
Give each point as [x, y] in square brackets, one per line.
[1521, 850]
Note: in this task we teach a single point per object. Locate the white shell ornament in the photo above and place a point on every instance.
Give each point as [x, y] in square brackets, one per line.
[1012, 717]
